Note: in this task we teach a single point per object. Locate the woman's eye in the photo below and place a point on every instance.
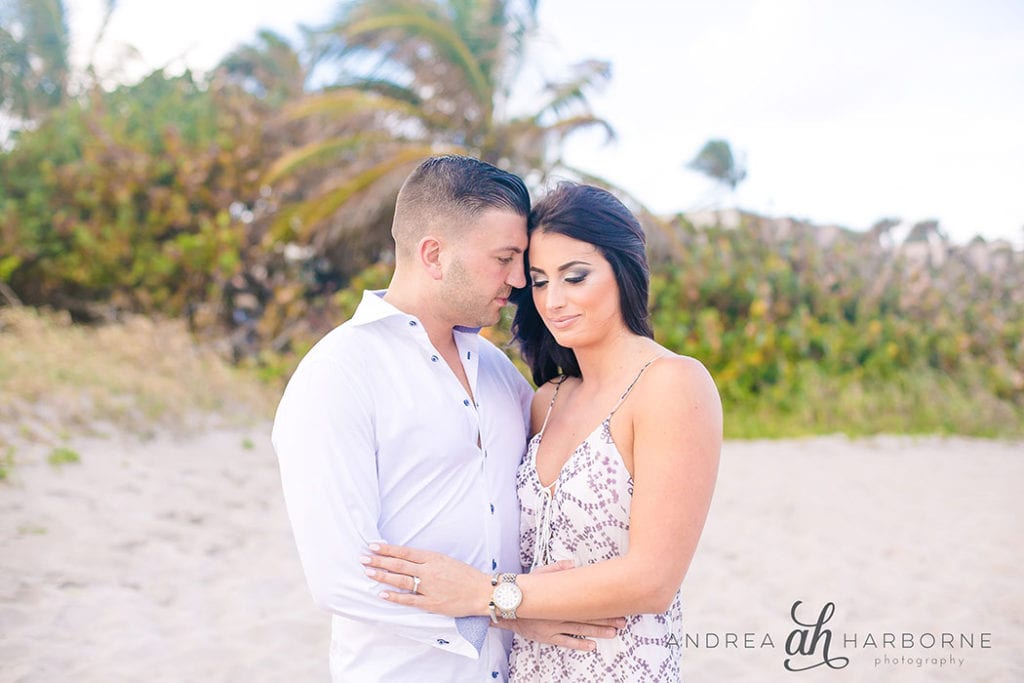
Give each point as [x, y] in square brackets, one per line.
[537, 284]
[576, 279]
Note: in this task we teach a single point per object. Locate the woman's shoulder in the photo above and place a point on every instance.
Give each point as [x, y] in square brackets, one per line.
[679, 402]
[674, 363]
[673, 378]
[542, 400]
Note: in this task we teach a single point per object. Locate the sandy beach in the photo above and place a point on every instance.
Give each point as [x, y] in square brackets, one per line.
[171, 559]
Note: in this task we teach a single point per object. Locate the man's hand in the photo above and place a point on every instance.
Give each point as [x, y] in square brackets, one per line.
[571, 634]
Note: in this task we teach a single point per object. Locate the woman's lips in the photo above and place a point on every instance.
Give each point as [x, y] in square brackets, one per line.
[563, 322]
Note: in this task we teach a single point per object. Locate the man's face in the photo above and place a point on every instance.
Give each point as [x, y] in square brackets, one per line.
[485, 264]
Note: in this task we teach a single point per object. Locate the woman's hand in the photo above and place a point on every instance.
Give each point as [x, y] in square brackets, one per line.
[446, 585]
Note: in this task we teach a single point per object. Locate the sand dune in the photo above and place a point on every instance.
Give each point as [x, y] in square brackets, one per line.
[171, 560]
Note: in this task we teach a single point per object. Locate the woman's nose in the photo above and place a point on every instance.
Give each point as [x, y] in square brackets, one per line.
[555, 297]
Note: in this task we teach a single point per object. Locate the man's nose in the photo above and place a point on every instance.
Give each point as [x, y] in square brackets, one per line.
[517, 276]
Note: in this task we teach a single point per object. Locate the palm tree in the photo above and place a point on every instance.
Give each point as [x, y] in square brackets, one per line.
[36, 74]
[418, 77]
[270, 68]
[34, 64]
[716, 161]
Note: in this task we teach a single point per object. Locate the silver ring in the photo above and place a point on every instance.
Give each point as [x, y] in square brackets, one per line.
[415, 584]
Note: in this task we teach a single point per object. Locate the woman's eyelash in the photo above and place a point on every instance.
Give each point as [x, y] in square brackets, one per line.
[572, 279]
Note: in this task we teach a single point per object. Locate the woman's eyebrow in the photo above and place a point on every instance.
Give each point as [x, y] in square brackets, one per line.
[564, 267]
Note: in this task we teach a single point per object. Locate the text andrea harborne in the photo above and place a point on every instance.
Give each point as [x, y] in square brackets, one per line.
[811, 644]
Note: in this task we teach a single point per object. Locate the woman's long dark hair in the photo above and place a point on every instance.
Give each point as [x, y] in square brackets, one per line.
[588, 214]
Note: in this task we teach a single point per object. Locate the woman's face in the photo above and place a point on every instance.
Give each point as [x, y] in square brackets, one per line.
[574, 289]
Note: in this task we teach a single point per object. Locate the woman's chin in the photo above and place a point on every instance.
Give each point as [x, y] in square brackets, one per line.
[565, 338]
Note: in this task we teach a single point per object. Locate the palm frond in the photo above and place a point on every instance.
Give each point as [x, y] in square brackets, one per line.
[108, 11]
[314, 211]
[317, 153]
[440, 35]
[413, 73]
[565, 127]
[386, 88]
[573, 91]
[339, 103]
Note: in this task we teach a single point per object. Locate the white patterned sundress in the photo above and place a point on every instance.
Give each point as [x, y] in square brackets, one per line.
[586, 519]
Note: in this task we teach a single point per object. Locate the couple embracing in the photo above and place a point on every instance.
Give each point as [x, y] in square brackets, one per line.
[460, 526]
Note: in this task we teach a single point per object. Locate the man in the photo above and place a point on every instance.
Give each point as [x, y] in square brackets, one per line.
[403, 425]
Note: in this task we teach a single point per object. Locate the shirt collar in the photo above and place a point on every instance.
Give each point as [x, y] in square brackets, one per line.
[373, 307]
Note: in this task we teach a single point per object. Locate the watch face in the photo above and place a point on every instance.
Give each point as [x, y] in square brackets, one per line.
[507, 596]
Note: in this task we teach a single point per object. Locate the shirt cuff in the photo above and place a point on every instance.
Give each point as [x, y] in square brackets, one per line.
[473, 629]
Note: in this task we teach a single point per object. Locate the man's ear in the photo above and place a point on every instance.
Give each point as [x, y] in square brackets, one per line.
[430, 256]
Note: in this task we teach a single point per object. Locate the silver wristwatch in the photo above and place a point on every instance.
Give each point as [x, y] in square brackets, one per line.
[506, 597]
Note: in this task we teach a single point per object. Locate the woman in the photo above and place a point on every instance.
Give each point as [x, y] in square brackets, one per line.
[619, 474]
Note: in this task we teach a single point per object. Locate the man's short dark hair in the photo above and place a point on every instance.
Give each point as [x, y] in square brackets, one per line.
[445, 191]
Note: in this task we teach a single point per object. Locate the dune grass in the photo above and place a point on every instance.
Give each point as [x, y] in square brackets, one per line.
[915, 401]
[57, 378]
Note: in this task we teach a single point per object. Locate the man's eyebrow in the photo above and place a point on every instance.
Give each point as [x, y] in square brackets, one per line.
[564, 266]
[513, 249]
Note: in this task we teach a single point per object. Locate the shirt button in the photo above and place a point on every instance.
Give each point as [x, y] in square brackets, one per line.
[434, 358]
[412, 323]
[492, 508]
[469, 354]
[465, 401]
[442, 641]
[494, 564]
[494, 674]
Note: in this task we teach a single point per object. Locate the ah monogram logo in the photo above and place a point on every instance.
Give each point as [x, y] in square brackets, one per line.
[804, 641]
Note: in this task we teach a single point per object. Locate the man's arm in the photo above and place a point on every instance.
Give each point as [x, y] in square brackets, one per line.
[324, 439]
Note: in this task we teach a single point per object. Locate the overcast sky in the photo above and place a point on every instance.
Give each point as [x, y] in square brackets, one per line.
[846, 112]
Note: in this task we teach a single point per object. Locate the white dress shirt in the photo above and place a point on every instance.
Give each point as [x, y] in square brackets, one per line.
[378, 440]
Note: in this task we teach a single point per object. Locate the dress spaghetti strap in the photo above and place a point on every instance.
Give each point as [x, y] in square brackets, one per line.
[632, 384]
[551, 405]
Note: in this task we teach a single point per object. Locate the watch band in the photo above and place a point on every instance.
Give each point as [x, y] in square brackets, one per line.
[493, 607]
[508, 614]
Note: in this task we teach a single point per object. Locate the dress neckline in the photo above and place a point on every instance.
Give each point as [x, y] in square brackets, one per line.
[572, 456]
[539, 436]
